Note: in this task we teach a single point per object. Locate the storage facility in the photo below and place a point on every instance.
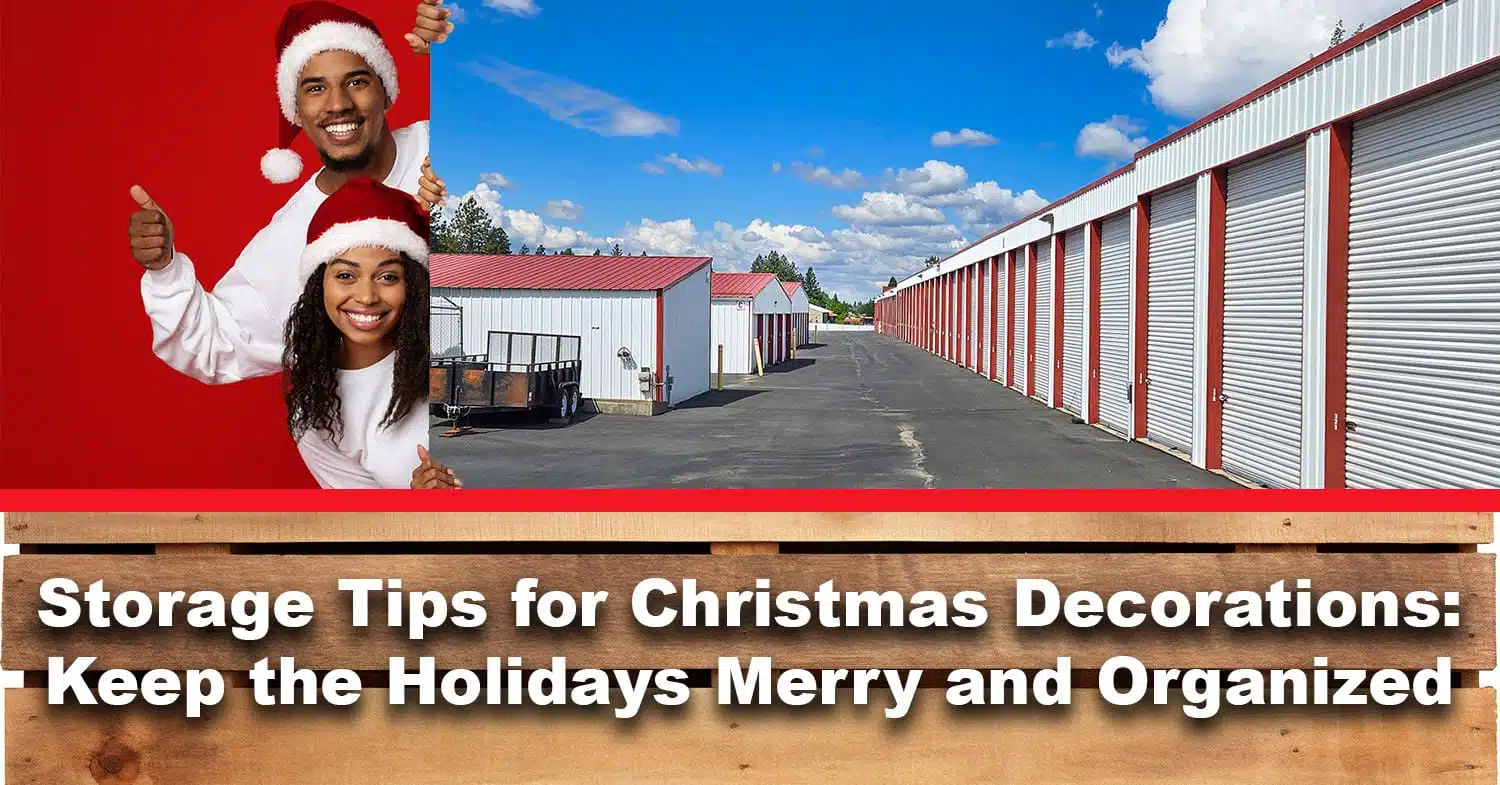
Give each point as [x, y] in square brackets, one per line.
[1301, 289]
[749, 307]
[797, 296]
[636, 316]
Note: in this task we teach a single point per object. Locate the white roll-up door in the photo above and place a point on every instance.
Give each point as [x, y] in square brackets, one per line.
[1423, 405]
[985, 305]
[1169, 328]
[1018, 324]
[1263, 262]
[1114, 325]
[1043, 389]
[1074, 269]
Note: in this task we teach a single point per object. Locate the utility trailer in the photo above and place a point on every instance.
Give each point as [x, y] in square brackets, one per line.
[537, 372]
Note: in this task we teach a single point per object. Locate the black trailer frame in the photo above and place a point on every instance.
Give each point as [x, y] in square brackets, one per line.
[522, 371]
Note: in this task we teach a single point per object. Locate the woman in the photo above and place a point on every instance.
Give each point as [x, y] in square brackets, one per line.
[355, 365]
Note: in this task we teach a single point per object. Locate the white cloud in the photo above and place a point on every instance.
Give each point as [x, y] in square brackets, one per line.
[984, 207]
[934, 177]
[815, 152]
[564, 210]
[702, 165]
[527, 8]
[459, 15]
[575, 104]
[1205, 54]
[1078, 39]
[1116, 139]
[1098, 12]
[650, 168]
[775, 166]
[494, 180]
[883, 208]
[822, 175]
[967, 136]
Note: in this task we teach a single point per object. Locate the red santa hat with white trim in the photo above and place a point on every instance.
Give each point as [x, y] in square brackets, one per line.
[308, 30]
[364, 213]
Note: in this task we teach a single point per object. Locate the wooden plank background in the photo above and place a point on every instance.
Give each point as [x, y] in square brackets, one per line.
[619, 642]
[1157, 527]
[374, 744]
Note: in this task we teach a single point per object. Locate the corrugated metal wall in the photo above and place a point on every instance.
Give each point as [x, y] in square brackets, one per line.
[1018, 322]
[688, 336]
[605, 322]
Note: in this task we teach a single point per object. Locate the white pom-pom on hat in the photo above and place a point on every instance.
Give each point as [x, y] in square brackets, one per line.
[280, 165]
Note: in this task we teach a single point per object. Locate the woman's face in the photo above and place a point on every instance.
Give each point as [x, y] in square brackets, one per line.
[363, 291]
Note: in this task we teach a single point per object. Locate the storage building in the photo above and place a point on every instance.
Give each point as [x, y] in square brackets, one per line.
[749, 307]
[634, 314]
[1301, 289]
[797, 296]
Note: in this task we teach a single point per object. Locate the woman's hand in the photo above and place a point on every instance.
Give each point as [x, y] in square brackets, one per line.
[432, 26]
[431, 475]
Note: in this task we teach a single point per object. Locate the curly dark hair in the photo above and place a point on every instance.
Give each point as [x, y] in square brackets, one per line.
[309, 379]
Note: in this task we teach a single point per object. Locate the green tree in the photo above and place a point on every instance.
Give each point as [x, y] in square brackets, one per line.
[932, 260]
[597, 252]
[891, 283]
[617, 251]
[525, 250]
[469, 230]
[778, 265]
[815, 293]
[1338, 35]
[567, 252]
[541, 250]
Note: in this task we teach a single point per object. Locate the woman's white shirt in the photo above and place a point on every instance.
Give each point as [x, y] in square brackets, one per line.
[367, 455]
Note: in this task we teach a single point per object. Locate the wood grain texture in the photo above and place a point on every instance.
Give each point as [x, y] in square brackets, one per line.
[1090, 742]
[1159, 527]
[620, 642]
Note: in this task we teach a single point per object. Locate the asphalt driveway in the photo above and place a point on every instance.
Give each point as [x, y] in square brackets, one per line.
[859, 410]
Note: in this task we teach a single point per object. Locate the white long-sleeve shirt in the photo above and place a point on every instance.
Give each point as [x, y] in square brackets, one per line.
[367, 456]
[235, 332]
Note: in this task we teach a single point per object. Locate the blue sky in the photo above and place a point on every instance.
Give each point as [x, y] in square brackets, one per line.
[856, 138]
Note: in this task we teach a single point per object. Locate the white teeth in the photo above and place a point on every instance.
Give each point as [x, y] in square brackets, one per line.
[360, 318]
[341, 128]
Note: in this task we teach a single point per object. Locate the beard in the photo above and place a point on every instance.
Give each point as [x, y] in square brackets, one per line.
[354, 163]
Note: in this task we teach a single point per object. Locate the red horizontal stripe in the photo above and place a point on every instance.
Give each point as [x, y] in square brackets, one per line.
[756, 500]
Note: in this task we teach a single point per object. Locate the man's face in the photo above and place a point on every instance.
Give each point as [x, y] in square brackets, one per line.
[341, 105]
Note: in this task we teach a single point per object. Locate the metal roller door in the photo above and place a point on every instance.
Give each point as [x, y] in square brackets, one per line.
[1043, 389]
[1423, 368]
[1018, 325]
[1074, 269]
[1169, 328]
[1001, 318]
[1114, 325]
[1263, 261]
[985, 306]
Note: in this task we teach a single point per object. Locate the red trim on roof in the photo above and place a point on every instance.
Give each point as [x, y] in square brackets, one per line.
[1399, 18]
[578, 273]
[790, 287]
[1395, 20]
[746, 285]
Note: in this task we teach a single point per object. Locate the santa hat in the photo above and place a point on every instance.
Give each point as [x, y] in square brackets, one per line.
[365, 214]
[308, 30]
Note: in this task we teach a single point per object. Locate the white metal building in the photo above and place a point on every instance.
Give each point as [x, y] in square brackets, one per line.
[1301, 289]
[633, 314]
[797, 296]
[749, 307]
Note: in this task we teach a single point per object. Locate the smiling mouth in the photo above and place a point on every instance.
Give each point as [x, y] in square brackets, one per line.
[365, 321]
[343, 132]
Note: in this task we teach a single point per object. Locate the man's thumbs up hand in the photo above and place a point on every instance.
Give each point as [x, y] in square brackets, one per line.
[150, 232]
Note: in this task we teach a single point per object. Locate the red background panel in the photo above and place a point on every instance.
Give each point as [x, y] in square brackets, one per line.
[180, 98]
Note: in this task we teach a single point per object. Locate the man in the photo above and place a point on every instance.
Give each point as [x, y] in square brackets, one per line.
[335, 80]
